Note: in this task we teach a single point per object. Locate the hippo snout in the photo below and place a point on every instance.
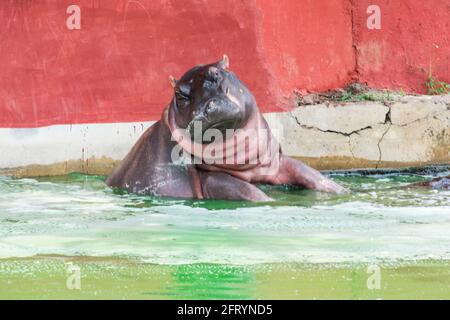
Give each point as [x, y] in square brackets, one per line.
[221, 114]
[217, 114]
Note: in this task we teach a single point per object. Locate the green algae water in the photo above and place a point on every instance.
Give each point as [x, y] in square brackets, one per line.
[305, 245]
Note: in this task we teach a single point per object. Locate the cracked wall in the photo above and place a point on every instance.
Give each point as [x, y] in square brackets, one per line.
[411, 131]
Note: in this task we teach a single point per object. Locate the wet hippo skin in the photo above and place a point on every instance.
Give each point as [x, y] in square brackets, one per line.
[212, 142]
[436, 183]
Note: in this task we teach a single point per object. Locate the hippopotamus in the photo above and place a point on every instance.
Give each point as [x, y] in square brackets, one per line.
[436, 183]
[212, 142]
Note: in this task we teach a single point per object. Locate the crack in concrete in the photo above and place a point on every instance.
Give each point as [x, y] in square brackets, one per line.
[380, 156]
[387, 118]
[388, 121]
[346, 134]
[421, 119]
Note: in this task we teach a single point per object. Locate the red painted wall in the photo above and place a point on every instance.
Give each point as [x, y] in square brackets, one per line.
[414, 38]
[116, 68]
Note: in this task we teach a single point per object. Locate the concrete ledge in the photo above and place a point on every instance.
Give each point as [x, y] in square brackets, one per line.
[410, 131]
[61, 149]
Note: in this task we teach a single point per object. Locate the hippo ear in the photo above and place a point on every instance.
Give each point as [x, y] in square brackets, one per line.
[173, 81]
[224, 63]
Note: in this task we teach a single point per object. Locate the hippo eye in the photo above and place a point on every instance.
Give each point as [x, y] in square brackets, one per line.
[182, 95]
[183, 92]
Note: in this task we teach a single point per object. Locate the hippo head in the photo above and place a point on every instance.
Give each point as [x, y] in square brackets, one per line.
[210, 97]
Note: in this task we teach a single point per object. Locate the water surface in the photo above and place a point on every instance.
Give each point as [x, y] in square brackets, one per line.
[381, 222]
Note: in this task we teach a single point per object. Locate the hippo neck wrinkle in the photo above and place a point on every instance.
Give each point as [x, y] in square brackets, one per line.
[243, 156]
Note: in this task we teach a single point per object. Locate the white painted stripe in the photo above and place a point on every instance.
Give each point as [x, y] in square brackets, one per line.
[59, 143]
[358, 134]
